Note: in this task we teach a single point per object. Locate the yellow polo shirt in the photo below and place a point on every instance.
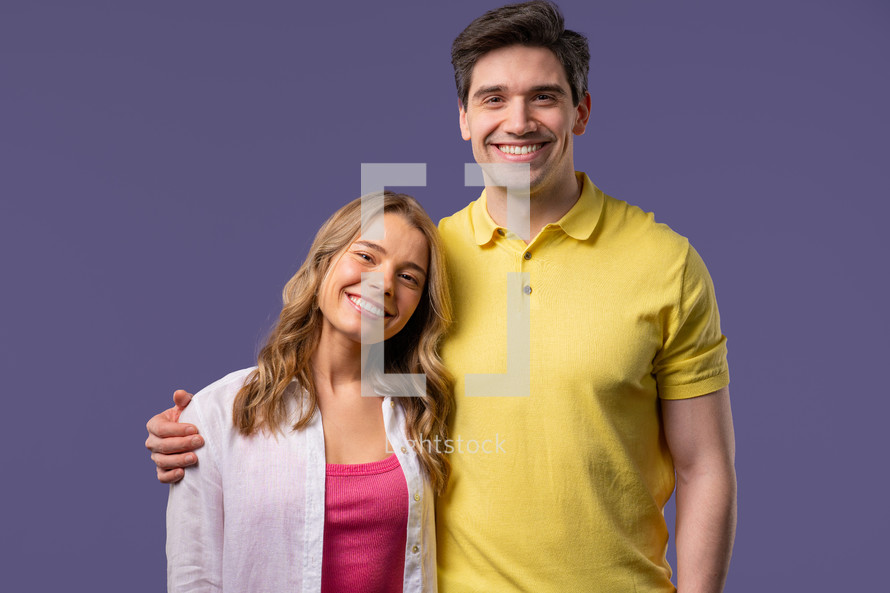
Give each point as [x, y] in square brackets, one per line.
[562, 488]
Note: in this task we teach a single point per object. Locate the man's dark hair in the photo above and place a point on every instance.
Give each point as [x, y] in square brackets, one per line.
[535, 24]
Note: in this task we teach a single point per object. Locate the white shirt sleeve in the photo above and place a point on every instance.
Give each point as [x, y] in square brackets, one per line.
[195, 520]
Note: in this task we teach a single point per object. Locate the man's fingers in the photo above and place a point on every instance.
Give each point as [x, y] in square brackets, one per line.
[168, 445]
[181, 398]
[171, 443]
[170, 476]
[179, 461]
[161, 426]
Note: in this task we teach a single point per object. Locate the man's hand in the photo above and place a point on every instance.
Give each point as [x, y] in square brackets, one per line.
[170, 442]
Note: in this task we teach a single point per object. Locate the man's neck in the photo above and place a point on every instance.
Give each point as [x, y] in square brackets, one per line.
[546, 205]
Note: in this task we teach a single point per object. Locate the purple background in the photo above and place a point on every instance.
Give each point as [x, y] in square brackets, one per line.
[163, 166]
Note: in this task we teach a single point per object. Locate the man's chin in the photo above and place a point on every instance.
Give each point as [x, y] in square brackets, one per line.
[498, 173]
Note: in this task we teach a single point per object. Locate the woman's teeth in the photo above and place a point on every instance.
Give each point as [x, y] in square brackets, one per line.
[366, 306]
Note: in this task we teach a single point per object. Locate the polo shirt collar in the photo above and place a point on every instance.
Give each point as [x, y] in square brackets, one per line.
[577, 223]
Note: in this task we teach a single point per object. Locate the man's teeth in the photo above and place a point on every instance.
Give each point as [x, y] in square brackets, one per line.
[369, 307]
[518, 149]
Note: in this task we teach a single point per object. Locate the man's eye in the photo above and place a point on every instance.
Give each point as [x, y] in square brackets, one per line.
[493, 100]
[544, 98]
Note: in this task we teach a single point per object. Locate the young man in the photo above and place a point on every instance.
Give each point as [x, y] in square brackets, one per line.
[627, 376]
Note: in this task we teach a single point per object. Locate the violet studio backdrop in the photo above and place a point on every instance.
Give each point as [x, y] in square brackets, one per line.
[164, 166]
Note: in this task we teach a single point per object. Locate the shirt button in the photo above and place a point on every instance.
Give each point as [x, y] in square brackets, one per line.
[416, 497]
[392, 404]
[404, 449]
[415, 549]
[527, 290]
[501, 232]
[527, 255]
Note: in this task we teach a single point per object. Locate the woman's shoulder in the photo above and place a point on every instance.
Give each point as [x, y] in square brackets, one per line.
[213, 404]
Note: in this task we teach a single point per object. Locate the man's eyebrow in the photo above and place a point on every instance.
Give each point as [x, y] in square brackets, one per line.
[488, 89]
[541, 88]
[379, 249]
[549, 88]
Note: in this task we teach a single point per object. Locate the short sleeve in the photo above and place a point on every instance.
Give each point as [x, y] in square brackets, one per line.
[692, 361]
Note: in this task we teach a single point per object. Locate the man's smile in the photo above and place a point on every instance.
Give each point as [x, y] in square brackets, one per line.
[514, 149]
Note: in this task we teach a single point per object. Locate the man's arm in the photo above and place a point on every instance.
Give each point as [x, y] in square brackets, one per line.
[172, 443]
[700, 436]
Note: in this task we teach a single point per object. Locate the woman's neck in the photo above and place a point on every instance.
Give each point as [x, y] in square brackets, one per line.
[336, 364]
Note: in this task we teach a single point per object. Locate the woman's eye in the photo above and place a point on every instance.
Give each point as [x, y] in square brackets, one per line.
[410, 278]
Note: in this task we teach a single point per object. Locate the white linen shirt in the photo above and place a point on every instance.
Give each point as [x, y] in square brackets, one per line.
[250, 515]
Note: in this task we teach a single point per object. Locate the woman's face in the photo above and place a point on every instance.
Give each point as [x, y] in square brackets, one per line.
[398, 264]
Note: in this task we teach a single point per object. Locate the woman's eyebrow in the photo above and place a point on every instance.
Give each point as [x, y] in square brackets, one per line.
[374, 246]
[379, 249]
[415, 267]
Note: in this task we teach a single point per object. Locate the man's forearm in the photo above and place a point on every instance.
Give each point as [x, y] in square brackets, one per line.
[705, 530]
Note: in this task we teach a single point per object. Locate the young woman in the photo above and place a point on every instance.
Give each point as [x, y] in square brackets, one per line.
[305, 483]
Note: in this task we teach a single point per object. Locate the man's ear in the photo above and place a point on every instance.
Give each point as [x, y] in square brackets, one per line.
[464, 127]
[582, 115]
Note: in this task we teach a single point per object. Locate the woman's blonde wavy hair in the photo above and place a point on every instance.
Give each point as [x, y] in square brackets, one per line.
[263, 401]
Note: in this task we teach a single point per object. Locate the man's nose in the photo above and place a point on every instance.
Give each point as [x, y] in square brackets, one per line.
[519, 121]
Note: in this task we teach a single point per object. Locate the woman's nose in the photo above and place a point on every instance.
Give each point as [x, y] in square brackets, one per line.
[378, 283]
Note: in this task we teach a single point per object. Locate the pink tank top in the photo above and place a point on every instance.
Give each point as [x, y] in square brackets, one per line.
[365, 527]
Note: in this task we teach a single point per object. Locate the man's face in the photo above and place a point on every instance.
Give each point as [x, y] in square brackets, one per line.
[519, 110]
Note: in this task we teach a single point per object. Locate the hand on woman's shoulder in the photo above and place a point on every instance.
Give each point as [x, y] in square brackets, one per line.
[212, 406]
